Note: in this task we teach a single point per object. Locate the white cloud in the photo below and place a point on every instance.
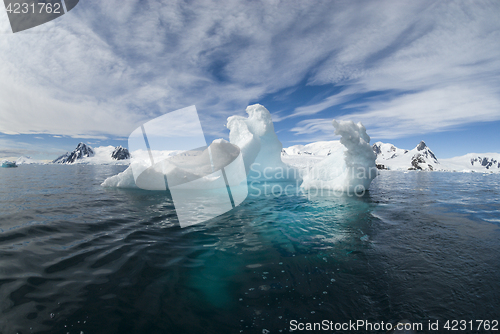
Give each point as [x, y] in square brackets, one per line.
[442, 71]
[107, 66]
[10, 148]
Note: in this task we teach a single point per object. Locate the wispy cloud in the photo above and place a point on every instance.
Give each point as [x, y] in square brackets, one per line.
[16, 148]
[107, 66]
[443, 62]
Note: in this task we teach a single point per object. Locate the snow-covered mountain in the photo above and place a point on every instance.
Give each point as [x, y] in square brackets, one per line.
[387, 151]
[80, 152]
[103, 155]
[390, 157]
[120, 153]
[422, 158]
[474, 162]
[320, 148]
[393, 158]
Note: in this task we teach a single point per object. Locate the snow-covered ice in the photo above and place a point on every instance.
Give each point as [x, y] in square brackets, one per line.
[259, 144]
[8, 164]
[349, 169]
[183, 169]
[345, 165]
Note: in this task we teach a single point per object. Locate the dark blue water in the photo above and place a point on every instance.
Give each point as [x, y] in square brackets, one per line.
[76, 257]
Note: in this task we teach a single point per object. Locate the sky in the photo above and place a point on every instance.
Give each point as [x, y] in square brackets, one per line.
[408, 70]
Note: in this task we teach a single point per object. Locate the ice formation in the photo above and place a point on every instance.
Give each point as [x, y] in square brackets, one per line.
[260, 147]
[348, 166]
[8, 164]
[348, 170]
[255, 138]
[182, 168]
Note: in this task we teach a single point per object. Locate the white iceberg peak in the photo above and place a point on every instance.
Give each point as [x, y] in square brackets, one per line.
[351, 169]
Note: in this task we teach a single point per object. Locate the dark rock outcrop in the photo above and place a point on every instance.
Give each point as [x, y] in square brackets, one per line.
[81, 151]
[485, 162]
[120, 153]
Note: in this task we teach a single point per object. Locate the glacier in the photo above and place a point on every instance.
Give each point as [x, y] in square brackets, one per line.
[25, 160]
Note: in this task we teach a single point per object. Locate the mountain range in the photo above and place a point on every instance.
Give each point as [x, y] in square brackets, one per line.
[84, 153]
[390, 157]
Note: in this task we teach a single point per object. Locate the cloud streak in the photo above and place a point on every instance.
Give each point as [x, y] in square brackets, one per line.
[107, 66]
[442, 69]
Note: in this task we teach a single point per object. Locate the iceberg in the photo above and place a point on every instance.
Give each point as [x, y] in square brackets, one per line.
[170, 153]
[259, 145]
[8, 164]
[254, 137]
[347, 165]
[350, 169]
[181, 169]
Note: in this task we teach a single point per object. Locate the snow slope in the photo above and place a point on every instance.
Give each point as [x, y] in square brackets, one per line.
[24, 160]
[103, 156]
[473, 162]
[320, 148]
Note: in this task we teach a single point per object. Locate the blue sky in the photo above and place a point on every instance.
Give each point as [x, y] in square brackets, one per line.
[408, 70]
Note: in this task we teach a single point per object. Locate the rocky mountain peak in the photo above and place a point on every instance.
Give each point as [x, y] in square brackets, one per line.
[120, 153]
[82, 150]
[421, 146]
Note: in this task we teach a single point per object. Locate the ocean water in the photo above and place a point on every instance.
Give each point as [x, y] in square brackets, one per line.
[76, 257]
